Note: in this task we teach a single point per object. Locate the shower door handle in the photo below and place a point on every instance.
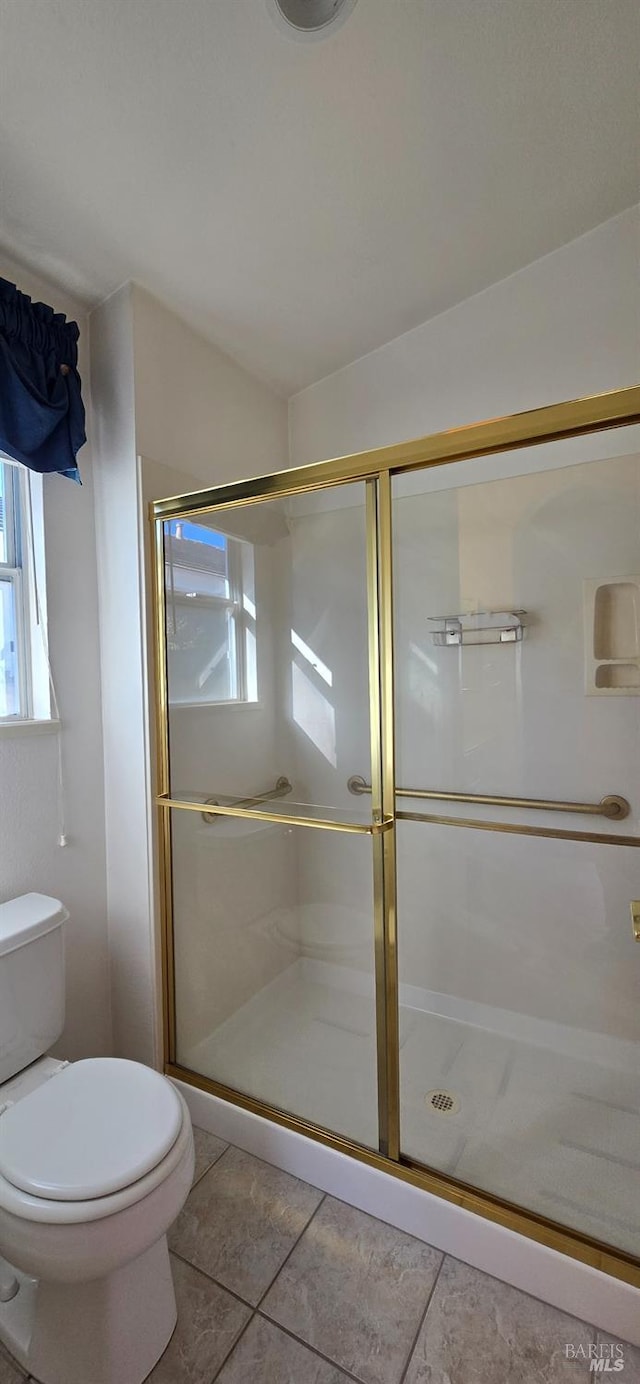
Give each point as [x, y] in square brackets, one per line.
[635, 918]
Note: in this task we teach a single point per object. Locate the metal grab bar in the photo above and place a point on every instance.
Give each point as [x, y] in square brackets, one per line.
[280, 790]
[611, 806]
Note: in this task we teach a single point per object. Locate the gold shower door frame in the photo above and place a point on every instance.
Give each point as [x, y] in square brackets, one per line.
[556, 422]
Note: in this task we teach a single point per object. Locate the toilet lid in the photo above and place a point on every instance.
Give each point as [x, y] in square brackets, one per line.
[91, 1129]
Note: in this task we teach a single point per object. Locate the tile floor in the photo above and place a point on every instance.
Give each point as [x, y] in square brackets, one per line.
[279, 1284]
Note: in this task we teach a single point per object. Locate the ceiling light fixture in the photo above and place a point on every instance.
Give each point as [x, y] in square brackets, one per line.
[309, 18]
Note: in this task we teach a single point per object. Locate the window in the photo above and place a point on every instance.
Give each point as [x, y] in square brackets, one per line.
[211, 635]
[24, 681]
[14, 680]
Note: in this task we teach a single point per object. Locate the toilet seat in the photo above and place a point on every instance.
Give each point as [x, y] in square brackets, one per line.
[95, 1137]
[46, 1211]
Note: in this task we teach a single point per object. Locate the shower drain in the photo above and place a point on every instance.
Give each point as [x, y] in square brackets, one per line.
[443, 1102]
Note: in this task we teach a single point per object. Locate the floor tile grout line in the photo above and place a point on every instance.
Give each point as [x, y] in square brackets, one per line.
[314, 1188]
[215, 1163]
[210, 1279]
[288, 1256]
[225, 1287]
[208, 1168]
[230, 1352]
[456, 1258]
[422, 1321]
[328, 1359]
[239, 1149]
[331, 1195]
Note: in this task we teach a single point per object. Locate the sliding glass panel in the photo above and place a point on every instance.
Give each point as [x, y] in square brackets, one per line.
[517, 606]
[267, 654]
[273, 943]
[519, 1025]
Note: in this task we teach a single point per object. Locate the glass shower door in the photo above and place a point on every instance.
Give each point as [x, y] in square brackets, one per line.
[272, 912]
[517, 685]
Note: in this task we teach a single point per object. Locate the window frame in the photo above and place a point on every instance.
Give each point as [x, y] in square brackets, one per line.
[234, 606]
[14, 570]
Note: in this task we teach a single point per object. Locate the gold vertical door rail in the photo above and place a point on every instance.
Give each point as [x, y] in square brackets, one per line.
[383, 806]
[387, 663]
[163, 786]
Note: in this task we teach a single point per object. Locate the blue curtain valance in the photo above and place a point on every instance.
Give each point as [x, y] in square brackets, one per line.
[41, 408]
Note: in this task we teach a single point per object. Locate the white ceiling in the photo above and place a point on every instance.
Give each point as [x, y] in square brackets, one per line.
[303, 202]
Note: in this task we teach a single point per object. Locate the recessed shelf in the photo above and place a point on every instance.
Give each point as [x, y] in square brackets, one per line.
[615, 620]
[612, 636]
[618, 676]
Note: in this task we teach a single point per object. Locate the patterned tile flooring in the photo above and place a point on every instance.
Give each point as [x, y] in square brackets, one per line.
[279, 1284]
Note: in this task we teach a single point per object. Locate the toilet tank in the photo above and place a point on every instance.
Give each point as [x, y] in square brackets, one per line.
[31, 979]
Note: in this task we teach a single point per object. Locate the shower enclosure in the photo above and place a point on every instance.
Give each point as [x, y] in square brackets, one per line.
[398, 704]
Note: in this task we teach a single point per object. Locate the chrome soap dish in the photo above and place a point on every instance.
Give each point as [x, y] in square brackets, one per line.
[485, 627]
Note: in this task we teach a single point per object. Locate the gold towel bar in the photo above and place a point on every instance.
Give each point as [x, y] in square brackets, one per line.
[612, 806]
[280, 790]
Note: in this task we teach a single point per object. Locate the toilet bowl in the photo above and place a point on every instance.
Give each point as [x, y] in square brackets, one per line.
[96, 1161]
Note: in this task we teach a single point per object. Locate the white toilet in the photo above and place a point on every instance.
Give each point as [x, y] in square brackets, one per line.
[96, 1161]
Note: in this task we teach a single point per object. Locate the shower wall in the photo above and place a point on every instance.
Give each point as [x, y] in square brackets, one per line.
[536, 926]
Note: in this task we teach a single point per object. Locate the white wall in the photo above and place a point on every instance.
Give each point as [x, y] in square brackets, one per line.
[30, 857]
[507, 920]
[565, 326]
[196, 410]
[197, 418]
[125, 744]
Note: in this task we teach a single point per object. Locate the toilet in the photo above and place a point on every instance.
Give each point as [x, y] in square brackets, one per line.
[96, 1161]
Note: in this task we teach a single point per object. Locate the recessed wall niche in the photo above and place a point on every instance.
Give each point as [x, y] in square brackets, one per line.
[612, 637]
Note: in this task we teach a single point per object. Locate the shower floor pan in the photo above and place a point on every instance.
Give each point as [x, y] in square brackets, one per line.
[530, 1121]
